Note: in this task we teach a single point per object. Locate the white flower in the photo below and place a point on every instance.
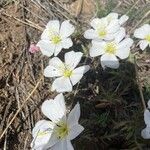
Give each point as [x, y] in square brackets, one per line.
[114, 16]
[103, 29]
[146, 132]
[119, 47]
[57, 133]
[66, 73]
[56, 37]
[144, 34]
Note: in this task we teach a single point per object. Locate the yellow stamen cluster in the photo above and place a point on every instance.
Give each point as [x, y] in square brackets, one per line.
[67, 73]
[147, 37]
[110, 48]
[62, 130]
[56, 39]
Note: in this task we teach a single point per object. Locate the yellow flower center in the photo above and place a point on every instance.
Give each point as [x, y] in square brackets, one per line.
[56, 39]
[147, 37]
[62, 130]
[110, 48]
[102, 33]
[67, 73]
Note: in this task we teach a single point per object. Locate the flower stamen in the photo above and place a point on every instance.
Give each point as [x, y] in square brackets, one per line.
[67, 73]
[62, 130]
[56, 39]
[147, 37]
[111, 48]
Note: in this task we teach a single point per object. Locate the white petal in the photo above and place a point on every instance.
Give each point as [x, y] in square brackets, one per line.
[41, 133]
[57, 49]
[112, 16]
[74, 115]
[146, 133]
[45, 35]
[56, 62]
[143, 44]
[148, 103]
[147, 117]
[54, 109]
[53, 26]
[69, 145]
[66, 29]
[91, 34]
[61, 145]
[66, 43]
[75, 131]
[109, 60]
[55, 68]
[42, 125]
[61, 85]
[51, 71]
[123, 19]
[46, 47]
[97, 48]
[95, 22]
[113, 27]
[142, 31]
[77, 74]
[72, 59]
[124, 48]
[52, 141]
[120, 35]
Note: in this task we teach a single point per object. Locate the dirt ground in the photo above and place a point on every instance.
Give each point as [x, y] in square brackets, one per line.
[21, 23]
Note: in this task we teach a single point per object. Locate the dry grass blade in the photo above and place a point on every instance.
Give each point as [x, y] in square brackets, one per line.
[23, 104]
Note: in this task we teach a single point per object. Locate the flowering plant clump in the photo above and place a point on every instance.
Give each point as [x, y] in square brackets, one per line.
[110, 42]
[67, 74]
[56, 37]
[57, 133]
[110, 50]
[143, 33]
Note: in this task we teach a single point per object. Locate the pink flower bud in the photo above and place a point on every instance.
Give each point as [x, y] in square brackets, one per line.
[33, 48]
